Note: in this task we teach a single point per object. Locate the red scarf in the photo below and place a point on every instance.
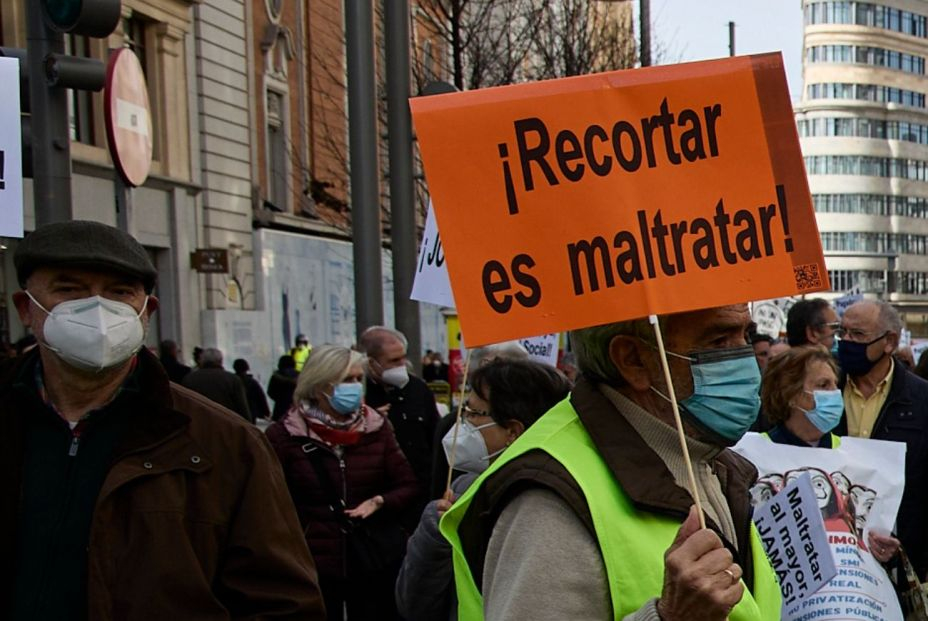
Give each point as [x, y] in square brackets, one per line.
[336, 437]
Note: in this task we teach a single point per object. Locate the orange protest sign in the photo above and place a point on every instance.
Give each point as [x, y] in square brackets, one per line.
[594, 199]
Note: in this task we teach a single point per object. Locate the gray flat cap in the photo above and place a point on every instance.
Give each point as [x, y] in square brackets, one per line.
[84, 244]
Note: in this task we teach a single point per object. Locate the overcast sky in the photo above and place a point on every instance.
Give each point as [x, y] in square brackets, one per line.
[685, 30]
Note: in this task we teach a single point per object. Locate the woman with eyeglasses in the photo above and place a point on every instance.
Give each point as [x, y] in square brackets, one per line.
[506, 397]
[801, 397]
[350, 483]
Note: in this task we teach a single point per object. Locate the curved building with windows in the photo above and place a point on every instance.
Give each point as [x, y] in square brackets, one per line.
[863, 125]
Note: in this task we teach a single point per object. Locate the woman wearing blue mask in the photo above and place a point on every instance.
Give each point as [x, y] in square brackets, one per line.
[800, 396]
[350, 483]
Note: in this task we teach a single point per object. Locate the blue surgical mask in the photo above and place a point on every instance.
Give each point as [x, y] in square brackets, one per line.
[346, 397]
[726, 391]
[829, 406]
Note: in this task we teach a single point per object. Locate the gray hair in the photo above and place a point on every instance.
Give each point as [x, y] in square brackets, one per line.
[373, 339]
[211, 356]
[508, 350]
[889, 317]
[591, 346]
[326, 365]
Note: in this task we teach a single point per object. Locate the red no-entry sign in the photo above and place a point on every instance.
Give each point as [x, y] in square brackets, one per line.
[128, 117]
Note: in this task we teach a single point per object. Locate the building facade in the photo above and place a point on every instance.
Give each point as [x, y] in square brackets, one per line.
[165, 210]
[863, 126]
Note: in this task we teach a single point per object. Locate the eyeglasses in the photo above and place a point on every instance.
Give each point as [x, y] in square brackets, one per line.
[858, 336]
[469, 412]
[834, 325]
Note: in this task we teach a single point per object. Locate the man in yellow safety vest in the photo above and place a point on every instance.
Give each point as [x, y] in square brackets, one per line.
[590, 513]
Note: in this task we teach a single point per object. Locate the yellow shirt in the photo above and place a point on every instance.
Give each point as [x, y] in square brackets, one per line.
[863, 411]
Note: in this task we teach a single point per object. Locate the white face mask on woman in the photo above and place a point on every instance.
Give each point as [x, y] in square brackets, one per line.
[93, 334]
[471, 454]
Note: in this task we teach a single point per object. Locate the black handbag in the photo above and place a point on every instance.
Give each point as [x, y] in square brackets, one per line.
[375, 544]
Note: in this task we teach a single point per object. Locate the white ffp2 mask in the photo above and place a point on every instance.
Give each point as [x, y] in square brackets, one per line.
[395, 376]
[93, 334]
[471, 454]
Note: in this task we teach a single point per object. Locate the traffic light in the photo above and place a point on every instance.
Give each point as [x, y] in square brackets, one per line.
[50, 74]
[93, 18]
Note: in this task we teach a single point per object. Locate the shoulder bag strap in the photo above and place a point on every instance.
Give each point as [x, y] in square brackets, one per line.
[336, 502]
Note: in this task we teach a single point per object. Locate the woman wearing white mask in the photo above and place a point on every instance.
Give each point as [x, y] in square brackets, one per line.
[506, 397]
[349, 481]
[800, 396]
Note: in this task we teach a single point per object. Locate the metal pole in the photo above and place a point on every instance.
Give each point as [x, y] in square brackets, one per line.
[51, 142]
[402, 196]
[645, 53]
[123, 204]
[731, 38]
[365, 176]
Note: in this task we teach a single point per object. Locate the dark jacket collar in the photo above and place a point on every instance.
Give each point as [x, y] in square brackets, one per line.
[781, 435]
[154, 418]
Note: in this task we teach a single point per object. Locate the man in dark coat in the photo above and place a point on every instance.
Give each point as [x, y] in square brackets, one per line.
[129, 497]
[169, 355]
[402, 397]
[884, 401]
[257, 402]
[281, 386]
[214, 382]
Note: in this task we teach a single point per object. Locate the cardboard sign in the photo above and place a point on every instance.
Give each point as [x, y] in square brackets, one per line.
[431, 283]
[594, 199]
[11, 150]
[792, 530]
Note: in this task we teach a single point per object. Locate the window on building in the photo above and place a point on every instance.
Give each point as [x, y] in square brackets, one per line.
[276, 151]
[135, 31]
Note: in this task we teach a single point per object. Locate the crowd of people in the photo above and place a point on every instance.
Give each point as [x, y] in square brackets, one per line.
[146, 491]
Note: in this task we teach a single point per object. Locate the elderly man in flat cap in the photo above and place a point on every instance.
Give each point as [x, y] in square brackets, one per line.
[128, 497]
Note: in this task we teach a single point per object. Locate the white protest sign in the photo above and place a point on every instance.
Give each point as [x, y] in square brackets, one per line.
[11, 149]
[769, 318]
[431, 283]
[851, 297]
[858, 487]
[791, 528]
[542, 349]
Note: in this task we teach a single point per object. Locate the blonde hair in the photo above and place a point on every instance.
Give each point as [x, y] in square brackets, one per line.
[326, 365]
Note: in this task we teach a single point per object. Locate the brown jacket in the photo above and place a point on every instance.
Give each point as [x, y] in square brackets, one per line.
[193, 521]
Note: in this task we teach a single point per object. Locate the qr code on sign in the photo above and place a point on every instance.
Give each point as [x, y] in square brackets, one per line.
[807, 276]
